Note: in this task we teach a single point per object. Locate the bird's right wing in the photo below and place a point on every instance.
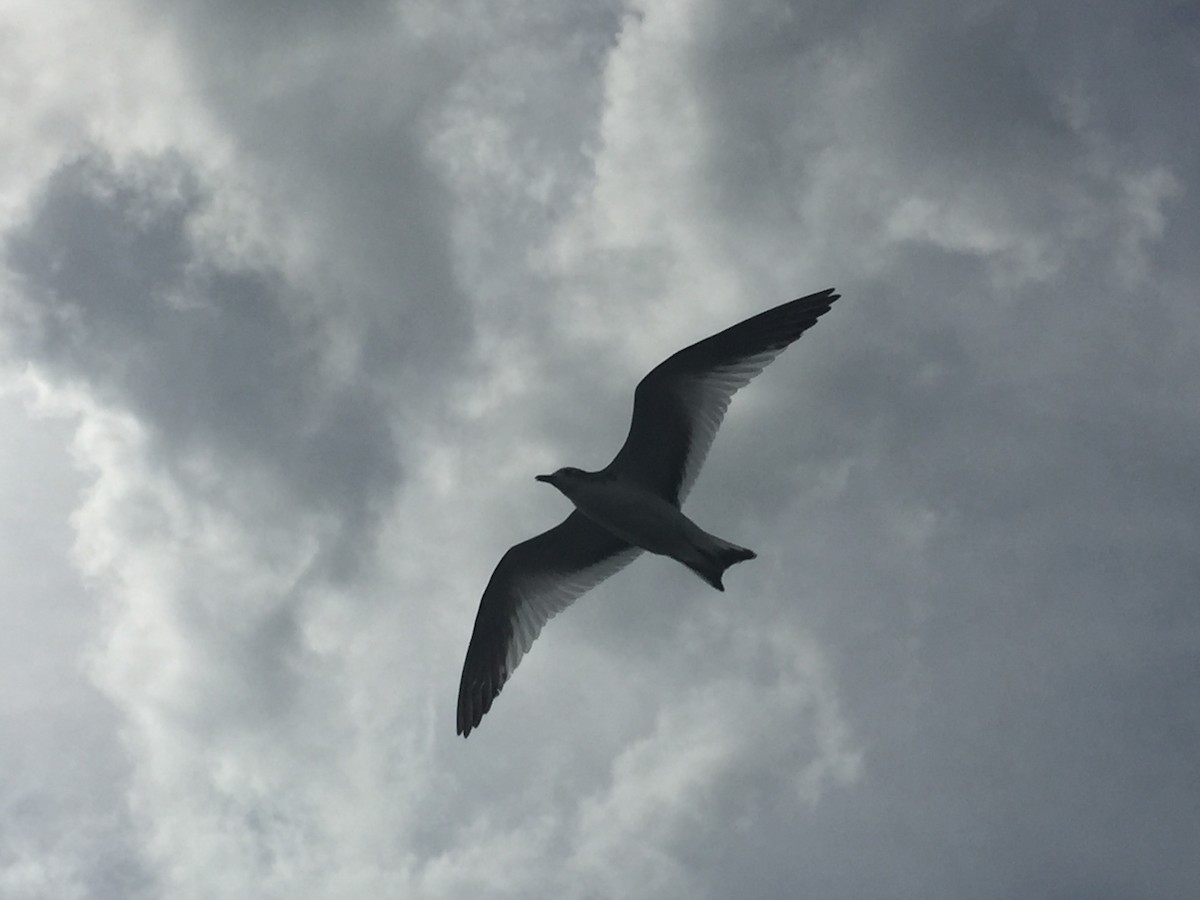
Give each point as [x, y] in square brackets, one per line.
[533, 580]
[679, 406]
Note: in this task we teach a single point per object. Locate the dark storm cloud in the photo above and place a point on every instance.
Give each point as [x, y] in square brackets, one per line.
[223, 366]
[1016, 681]
[335, 127]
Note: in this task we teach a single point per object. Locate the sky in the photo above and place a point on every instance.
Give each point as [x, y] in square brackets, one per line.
[296, 299]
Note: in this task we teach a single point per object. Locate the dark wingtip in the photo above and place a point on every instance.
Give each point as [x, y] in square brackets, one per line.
[820, 302]
[469, 719]
[473, 703]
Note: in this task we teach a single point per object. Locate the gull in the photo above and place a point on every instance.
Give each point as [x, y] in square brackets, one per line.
[632, 504]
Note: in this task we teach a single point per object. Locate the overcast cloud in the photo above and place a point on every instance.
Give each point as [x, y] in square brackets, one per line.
[294, 303]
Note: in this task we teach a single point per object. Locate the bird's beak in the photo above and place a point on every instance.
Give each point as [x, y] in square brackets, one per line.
[547, 478]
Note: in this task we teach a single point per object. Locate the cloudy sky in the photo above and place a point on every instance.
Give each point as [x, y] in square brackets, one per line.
[295, 303]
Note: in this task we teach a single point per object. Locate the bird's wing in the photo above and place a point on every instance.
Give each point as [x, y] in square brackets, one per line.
[533, 580]
[679, 406]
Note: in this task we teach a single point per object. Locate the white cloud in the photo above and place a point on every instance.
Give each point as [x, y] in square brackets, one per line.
[63, 825]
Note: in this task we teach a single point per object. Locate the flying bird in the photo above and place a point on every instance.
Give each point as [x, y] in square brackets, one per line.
[630, 505]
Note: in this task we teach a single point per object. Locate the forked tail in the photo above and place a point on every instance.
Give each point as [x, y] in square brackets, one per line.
[716, 558]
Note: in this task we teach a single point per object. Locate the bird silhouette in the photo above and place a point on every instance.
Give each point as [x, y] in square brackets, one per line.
[633, 503]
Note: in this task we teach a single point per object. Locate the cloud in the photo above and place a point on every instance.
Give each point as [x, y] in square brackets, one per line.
[315, 296]
[216, 364]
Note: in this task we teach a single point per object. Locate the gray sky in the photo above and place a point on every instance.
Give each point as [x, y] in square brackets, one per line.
[294, 304]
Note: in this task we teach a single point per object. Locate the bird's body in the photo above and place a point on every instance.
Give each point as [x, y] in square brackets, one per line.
[631, 505]
[643, 519]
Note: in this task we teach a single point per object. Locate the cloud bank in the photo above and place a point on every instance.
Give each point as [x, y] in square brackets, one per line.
[295, 304]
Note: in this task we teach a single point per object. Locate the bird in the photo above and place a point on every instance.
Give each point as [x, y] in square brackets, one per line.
[632, 504]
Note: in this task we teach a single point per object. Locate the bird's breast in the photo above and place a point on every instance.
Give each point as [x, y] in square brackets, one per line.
[635, 515]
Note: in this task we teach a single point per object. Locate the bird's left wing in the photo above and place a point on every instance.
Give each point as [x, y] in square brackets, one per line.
[679, 406]
[533, 580]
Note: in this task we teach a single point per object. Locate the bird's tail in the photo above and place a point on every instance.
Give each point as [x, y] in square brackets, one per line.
[717, 556]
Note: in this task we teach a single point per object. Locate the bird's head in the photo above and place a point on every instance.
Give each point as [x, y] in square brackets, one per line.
[563, 479]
